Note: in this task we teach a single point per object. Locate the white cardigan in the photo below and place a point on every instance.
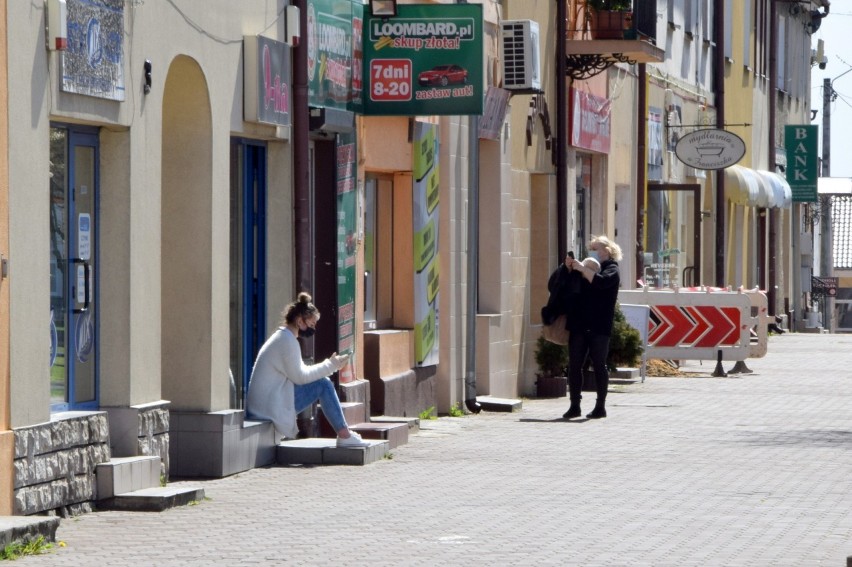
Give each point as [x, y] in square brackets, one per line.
[278, 367]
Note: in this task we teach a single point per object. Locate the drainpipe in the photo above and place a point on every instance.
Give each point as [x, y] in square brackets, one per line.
[472, 259]
[560, 139]
[641, 164]
[301, 174]
[773, 80]
[719, 86]
[472, 262]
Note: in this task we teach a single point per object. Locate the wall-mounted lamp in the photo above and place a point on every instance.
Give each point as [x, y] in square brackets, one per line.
[146, 86]
[56, 26]
[383, 8]
[293, 33]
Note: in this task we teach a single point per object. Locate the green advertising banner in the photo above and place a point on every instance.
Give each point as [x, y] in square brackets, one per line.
[346, 247]
[425, 224]
[801, 143]
[335, 54]
[426, 60]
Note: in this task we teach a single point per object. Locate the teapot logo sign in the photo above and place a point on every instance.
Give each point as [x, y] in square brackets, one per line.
[710, 149]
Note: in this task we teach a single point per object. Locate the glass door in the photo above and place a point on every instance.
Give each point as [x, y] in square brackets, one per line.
[247, 261]
[73, 265]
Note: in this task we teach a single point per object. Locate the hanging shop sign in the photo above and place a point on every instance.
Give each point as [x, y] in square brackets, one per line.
[427, 60]
[335, 54]
[710, 148]
[266, 81]
[800, 142]
[93, 63]
[426, 173]
[590, 123]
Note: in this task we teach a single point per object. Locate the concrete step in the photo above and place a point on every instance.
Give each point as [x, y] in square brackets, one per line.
[21, 529]
[490, 403]
[353, 412]
[324, 451]
[127, 474]
[412, 422]
[153, 499]
[395, 434]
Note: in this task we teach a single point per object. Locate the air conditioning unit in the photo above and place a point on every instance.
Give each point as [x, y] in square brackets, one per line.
[521, 61]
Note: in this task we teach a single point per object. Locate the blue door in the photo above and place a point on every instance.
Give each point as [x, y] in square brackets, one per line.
[247, 261]
[73, 268]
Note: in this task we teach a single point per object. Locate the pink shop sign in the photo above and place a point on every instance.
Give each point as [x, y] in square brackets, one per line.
[590, 121]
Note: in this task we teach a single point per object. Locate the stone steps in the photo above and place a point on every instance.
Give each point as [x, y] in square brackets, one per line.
[153, 499]
[324, 451]
[21, 529]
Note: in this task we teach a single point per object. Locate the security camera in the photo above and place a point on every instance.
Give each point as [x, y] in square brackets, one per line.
[822, 65]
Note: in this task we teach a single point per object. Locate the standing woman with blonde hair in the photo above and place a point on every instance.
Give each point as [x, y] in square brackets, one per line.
[591, 326]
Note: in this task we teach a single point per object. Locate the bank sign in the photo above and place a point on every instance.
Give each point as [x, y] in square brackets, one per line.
[800, 142]
[427, 60]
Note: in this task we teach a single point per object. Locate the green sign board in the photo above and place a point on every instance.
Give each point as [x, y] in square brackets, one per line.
[426, 60]
[347, 216]
[335, 54]
[800, 141]
[425, 169]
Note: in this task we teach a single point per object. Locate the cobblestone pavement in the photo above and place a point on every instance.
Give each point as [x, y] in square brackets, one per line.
[752, 469]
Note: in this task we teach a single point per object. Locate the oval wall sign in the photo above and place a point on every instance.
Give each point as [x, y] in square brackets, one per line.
[710, 149]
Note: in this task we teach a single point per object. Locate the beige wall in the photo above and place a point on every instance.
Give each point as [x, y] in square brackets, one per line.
[133, 168]
[7, 439]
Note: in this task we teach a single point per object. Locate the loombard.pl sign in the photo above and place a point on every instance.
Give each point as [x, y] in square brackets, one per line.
[427, 60]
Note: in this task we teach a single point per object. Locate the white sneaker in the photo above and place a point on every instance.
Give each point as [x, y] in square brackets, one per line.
[354, 441]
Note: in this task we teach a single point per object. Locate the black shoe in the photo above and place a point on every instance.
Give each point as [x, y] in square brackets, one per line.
[597, 413]
[573, 411]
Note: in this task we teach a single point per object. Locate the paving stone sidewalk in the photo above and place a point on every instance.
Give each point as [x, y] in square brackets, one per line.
[752, 469]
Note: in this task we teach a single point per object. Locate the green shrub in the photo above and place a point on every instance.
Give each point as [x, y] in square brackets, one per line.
[550, 358]
[625, 343]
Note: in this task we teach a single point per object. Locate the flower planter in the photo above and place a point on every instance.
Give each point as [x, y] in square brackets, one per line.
[607, 24]
[551, 387]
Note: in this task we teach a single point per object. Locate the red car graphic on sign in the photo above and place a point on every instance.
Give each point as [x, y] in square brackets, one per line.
[442, 75]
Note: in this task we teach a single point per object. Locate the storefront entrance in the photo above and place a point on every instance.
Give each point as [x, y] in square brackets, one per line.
[73, 268]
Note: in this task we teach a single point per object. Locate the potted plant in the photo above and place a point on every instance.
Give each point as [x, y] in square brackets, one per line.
[608, 19]
[551, 380]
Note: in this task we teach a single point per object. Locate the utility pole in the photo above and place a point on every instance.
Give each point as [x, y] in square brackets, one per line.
[826, 257]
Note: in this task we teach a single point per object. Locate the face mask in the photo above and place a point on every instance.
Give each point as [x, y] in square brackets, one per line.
[307, 332]
[594, 254]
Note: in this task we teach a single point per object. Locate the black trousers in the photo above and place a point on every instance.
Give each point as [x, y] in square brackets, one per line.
[596, 347]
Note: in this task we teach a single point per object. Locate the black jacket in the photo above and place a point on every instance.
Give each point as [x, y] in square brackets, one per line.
[565, 287]
[595, 310]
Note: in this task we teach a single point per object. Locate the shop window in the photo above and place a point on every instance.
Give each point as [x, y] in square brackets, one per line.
[388, 262]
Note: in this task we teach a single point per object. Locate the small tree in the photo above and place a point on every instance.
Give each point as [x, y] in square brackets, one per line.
[550, 358]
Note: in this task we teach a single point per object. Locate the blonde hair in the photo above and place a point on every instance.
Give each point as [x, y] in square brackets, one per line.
[302, 307]
[611, 247]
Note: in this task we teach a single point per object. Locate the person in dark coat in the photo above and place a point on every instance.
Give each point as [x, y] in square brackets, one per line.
[591, 323]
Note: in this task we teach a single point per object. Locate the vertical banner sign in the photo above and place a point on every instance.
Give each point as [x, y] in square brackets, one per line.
[346, 238]
[426, 266]
[800, 141]
[93, 64]
[335, 32]
[426, 60]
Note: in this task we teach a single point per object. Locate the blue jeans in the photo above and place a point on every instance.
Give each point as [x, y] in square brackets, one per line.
[321, 390]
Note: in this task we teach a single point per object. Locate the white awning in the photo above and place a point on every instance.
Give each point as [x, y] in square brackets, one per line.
[757, 188]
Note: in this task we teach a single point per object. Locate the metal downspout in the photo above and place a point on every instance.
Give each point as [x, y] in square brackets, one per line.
[301, 174]
[472, 262]
[560, 139]
[719, 87]
[641, 169]
[772, 251]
